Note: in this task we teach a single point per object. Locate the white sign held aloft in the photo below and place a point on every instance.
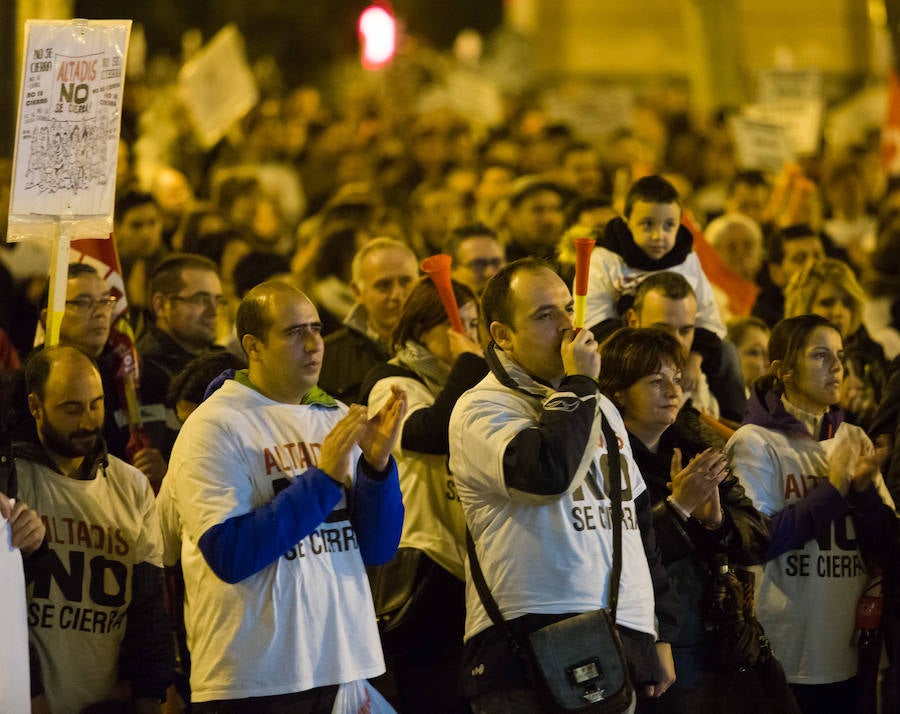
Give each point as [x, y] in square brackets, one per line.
[67, 140]
[760, 145]
[67, 133]
[217, 86]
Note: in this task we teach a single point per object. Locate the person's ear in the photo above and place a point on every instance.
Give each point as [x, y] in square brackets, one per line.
[157, 302]
[34, 405]
[501, 334]
[631, 318]
[43, 317]
[781, 371]
[250, 345]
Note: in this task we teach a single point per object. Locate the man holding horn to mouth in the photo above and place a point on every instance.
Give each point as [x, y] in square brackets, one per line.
[419, 595]
[533, 475]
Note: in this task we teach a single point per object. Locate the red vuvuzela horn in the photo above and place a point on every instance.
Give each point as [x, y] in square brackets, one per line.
[437, 267]
[583, 249]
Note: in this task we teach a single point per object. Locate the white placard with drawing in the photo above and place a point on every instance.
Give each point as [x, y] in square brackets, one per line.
[67, 133]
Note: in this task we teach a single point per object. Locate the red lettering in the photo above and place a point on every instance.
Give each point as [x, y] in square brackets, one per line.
[793, 488]
[271, 463]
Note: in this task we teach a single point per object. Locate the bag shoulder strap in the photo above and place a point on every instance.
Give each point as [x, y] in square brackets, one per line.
[615, 480]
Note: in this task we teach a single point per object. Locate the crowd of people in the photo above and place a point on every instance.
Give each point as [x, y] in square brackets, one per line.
[321, 457]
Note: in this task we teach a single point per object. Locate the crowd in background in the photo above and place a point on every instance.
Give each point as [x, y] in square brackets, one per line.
[343, 195]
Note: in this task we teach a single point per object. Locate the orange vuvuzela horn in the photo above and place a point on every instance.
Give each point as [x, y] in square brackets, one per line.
[437, 267]
[583, 249]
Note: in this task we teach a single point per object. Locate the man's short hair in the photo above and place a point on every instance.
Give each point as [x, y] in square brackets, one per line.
[526, 186]
[256, 267]
[373, 246]
[254, 316]
[167, 279]
[132, 199]
[650, 189]
[585, 203]
[776, 241]
[190, 383]
[40, 363]
[495, 300]
[461, 234]
[673, 286]
[75, 270]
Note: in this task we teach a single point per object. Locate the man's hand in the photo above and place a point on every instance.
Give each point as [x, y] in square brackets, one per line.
[382, 431]
[690, 375]
[580, 354]
[152, 464]
[337, 446]
[693, 485]
[665, 672]
[27, 527]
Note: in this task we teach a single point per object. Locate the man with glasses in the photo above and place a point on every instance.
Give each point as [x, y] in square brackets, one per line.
[185, 299]
[477, 255]
[86, 325]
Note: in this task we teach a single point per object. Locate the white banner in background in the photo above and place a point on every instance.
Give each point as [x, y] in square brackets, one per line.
[759, 145]
[67, 134]
[217, 86]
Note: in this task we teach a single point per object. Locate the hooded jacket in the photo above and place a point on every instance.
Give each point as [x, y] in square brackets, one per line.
[821, 542]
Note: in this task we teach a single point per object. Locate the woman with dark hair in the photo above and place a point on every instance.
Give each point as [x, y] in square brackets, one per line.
[816, 477]
[700, 512]
[419, 595]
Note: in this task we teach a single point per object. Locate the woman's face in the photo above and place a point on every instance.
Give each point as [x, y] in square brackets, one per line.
[436, 341]
[835, 305]
[651, 404]
[814, 383]
[754, 351]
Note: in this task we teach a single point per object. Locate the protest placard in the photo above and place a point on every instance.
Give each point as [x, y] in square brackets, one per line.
[779, 83]
[67, 137]
[801, 120]
[760, 145]
[217, 86]
[593, 111]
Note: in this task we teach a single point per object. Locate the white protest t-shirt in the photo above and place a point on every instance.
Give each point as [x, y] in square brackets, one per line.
[306, 620]
[434, 521]
[806, 598]
[98, 530]
[554, 557]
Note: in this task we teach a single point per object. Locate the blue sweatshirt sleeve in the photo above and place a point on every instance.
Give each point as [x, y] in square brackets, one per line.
[243, 545]
[378, 511]
[798, 523]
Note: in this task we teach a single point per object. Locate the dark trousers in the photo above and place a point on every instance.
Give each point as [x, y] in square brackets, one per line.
[835, 698]
[312, 701]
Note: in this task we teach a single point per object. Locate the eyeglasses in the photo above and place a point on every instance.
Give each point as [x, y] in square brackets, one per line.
[201, 300]
[88, 305]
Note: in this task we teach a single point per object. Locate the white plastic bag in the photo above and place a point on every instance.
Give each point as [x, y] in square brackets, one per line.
[360, 697]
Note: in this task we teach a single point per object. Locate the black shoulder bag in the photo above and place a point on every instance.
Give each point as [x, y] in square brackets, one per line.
[577, 664]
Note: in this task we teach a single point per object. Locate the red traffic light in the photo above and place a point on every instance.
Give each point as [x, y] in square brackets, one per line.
[377, 36]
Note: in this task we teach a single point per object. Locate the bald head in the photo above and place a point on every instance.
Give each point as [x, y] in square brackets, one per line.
[65, 397]
[281, 334]
[254, 314]
[52, 360]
